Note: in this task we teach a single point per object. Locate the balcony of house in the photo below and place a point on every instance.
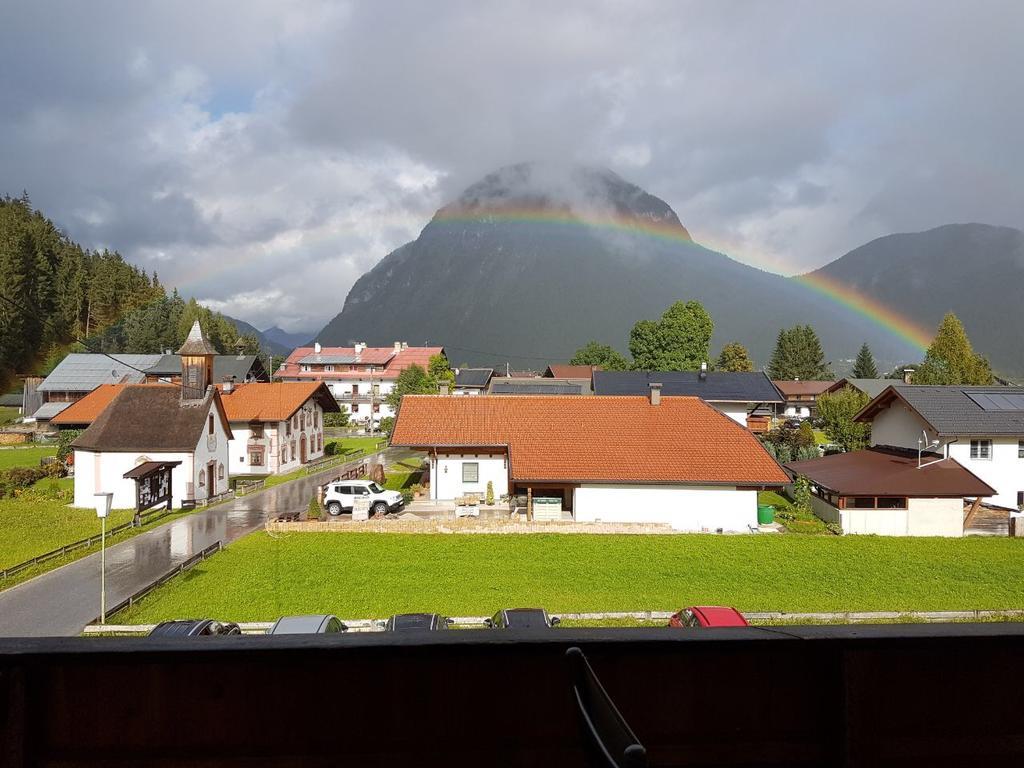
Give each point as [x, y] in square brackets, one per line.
[887, 695]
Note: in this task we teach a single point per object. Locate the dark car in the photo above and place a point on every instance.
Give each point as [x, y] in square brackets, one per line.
[522, 618]
[708, 616]
[792, 424]
[194, 628]
[416, 622]
[316, 624]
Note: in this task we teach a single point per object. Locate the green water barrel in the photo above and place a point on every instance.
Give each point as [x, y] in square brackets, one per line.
[765, 514]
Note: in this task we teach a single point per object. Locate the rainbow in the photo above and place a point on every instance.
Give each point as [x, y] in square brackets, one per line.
[886, 318]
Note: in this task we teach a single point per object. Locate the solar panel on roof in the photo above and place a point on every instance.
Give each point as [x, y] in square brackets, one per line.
[994, 401]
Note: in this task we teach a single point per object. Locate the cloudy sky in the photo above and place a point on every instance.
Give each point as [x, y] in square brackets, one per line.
[262, 155]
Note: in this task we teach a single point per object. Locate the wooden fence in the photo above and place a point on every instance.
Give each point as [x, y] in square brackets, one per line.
[87, 542]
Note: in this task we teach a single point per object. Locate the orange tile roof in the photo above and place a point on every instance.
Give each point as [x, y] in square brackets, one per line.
[602, 439]
[258, 401]
[86, 410]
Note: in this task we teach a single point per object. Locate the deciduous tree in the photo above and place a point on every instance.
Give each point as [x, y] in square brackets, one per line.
[836, 410]
[602, 355]
[734, 358]
[678, 341]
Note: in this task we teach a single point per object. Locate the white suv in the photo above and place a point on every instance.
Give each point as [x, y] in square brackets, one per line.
[341, 496]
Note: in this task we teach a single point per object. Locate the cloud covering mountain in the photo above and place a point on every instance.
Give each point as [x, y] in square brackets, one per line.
[264, 156]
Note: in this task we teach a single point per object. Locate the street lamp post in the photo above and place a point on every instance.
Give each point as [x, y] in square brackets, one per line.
[103, 502]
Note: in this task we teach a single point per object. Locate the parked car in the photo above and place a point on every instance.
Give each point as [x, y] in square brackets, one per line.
[417, 622]
[792, 424]
[318, 624]
[522, 618]
[194, 628]
[341, 496]
[708, 616]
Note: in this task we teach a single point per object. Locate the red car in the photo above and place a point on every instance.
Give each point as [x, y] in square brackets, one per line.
[708, 616]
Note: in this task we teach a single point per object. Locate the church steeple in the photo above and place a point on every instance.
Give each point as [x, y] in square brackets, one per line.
[196, 365]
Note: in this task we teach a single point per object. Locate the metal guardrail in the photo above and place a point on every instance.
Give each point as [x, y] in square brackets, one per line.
[87, 542]
[179, 568]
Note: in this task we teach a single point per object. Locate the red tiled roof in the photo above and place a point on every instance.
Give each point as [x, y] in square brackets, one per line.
[602, 439]
[259, 401]
[86, 410]
[800, 387]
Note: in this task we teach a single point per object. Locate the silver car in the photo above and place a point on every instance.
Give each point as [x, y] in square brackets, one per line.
[318, 624]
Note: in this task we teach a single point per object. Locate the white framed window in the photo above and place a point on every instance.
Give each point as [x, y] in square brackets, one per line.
[981, 449]
[470, 472]
[1020, 449]
[329, 368]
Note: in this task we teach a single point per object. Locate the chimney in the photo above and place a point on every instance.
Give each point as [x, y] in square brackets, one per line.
[229, 385]
[656, 393]
[405, 345]
[703, 371]
[316, 348]
[442, 387]
[398, 347]
[907, 375]
[360, 346]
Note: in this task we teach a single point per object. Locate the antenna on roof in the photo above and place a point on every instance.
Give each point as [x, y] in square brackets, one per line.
[923, 444]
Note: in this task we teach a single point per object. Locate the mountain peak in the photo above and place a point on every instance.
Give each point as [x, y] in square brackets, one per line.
[578, 191]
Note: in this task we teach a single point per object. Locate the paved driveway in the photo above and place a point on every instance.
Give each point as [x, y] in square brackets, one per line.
[63, 601]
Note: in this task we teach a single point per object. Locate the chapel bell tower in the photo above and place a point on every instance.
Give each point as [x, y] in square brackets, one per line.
[196, 365]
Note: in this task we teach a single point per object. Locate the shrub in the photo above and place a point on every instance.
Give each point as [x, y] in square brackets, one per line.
[331, 448]
[406, 495]
[416, 488]
[55, 469]
[313, 512]
[835, 528]
[805, 435]
[17, 478]
[387, 424]
[490, 494]
[336, 419]
[64, 443]
[802, 495]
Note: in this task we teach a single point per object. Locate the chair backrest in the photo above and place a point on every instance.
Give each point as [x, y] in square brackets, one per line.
[610, 741]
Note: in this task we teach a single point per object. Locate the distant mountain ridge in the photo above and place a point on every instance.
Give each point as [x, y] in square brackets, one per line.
[502, 273]
[290, 340]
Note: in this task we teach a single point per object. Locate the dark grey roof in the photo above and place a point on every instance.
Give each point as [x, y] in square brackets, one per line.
[239, 367]
[329, 359]
[473, 377]
[526, 388]
[12, 400]
[870, 387]
[83, 372]
[718, 386]
[149, 418]
[951, 411]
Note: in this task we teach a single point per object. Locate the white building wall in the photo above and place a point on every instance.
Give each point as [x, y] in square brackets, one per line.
[899, 426]
[446, 475]
[104, 473]
[684, 507]
[1004, 471]
[735, 411]
[211, 448]
[923, 517]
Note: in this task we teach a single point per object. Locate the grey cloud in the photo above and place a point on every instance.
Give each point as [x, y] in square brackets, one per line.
[263, 155]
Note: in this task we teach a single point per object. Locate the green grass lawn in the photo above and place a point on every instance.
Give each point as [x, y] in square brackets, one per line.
[403, 475]
[25, 456]
[359, 575]
[30, 527]
[347, 445]
[8, 415]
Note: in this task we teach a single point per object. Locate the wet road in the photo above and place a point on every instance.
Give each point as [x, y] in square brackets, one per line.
[63, 601]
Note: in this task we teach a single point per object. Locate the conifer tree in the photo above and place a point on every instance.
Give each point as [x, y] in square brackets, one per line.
[864, 367]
